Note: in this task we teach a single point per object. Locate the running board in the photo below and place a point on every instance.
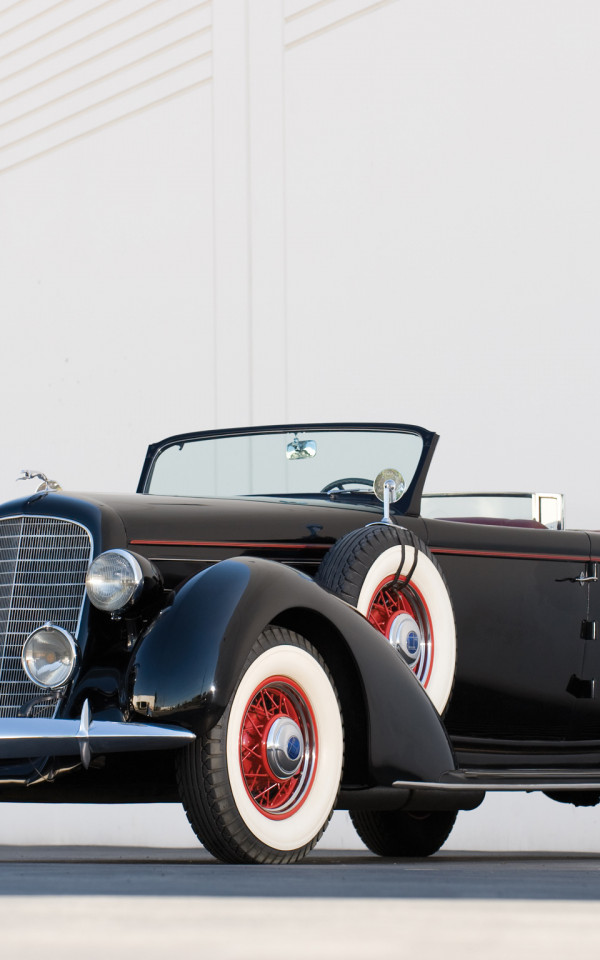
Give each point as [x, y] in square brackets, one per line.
[517, 780]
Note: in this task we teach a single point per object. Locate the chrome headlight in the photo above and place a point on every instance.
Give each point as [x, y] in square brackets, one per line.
[114, 580]
[49, 656]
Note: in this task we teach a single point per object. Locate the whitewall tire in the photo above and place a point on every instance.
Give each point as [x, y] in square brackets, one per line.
[392, 578]
[261, 786]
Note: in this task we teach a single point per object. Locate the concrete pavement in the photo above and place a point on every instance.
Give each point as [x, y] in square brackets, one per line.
[155, 903]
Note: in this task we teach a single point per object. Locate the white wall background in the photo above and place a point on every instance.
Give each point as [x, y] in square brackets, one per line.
[231, 211]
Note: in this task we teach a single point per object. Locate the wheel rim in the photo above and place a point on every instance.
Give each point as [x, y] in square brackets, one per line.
[278, 747]
[399, 615]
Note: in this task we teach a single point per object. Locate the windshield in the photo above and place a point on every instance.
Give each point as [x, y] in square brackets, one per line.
[286, 463]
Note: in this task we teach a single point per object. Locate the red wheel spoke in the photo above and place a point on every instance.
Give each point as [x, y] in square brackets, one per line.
[251, 719]
[251, 751]
[275, 698]
[263, 793]
[263, 703]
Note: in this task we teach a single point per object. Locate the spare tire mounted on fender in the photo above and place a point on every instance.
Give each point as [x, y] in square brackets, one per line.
[391, 577]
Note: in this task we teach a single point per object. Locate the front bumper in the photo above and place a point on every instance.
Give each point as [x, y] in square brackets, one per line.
[25, 737]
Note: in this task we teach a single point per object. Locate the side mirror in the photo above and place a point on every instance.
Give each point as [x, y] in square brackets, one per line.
[388, 486]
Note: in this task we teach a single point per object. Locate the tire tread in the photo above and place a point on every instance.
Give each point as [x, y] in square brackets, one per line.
[347, 563]
[398, 834]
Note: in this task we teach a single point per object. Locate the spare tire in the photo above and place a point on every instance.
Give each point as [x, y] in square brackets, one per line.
[391, 577]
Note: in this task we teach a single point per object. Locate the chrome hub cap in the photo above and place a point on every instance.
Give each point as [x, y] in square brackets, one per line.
[405, 636]
[285, 747]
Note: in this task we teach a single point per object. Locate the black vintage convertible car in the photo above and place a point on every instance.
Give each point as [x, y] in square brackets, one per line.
[276, 625]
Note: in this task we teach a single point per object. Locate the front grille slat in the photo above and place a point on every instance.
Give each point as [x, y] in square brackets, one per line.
[43, 563]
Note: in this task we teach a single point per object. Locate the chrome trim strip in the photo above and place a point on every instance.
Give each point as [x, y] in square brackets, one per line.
[22, 737]
[495, 785]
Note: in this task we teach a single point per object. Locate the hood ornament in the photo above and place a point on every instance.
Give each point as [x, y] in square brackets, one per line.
[46, 486]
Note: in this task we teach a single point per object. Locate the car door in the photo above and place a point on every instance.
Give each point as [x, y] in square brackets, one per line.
[519, 608]
[586, 709]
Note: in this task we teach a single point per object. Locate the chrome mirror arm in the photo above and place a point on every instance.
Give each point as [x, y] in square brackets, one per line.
[389, 497]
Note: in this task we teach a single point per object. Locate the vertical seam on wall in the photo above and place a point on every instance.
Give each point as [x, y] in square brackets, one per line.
[214, 233]
[249, 221]
[284, 239]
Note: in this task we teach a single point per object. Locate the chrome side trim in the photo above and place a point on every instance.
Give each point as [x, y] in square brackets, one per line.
[24, 737]
[501, 786]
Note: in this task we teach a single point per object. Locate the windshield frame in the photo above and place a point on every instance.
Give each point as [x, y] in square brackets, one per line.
[409, 503]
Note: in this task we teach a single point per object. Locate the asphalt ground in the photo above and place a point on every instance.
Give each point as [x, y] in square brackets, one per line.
[117, 902]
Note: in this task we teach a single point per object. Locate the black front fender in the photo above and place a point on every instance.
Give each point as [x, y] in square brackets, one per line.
[189, 663]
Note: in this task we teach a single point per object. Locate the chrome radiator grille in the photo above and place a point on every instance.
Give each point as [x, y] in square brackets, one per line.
[43, 562]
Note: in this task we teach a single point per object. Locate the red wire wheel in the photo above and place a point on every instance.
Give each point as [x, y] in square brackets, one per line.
[391, 606]
[278, 747]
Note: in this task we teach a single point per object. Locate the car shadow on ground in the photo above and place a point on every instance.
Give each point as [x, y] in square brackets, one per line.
[147, 872]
